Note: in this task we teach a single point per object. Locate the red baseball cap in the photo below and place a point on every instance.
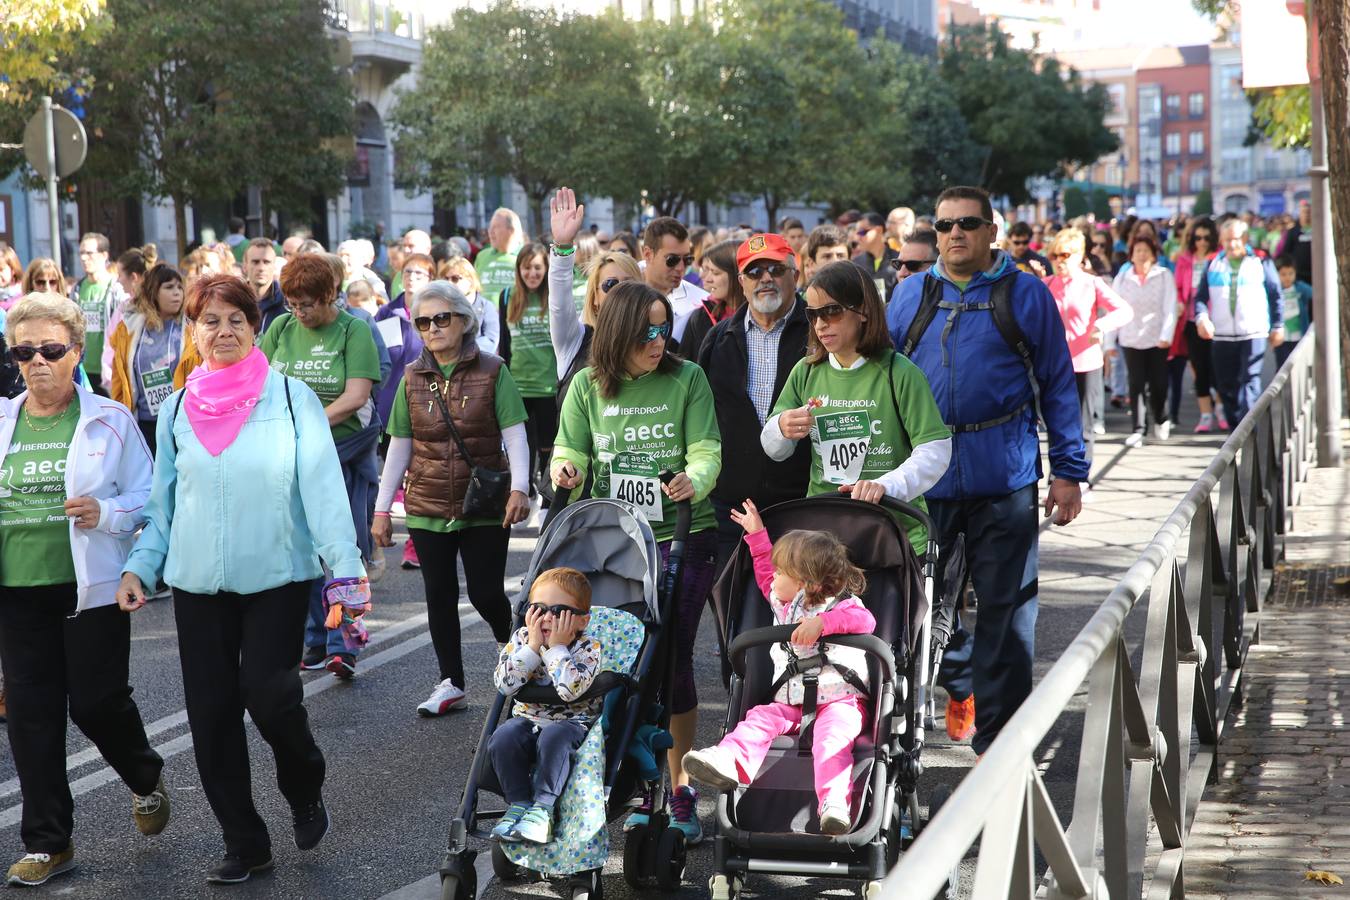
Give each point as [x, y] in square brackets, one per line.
[762, 246]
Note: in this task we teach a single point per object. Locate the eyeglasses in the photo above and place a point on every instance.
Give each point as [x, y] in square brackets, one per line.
[967, 223]
[454, 279]
[865, 230]
[1058, 256]
[608, 284]
[829, 313]
[1021, 243]
[440, 320]
[655, 331]
[556, 609]
[50, 352]
[674, 259]
[46, 282]
[756, 272]
[911, 265]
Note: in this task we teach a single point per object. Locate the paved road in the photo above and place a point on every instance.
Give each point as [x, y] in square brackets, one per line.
[394, 778]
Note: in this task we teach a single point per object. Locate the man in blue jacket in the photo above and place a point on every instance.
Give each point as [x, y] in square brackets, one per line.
[991, 370]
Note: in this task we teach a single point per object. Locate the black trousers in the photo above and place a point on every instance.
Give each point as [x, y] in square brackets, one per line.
[540, 429]
[483, 551]
[1148, 373]
[242, 652]
[53, 658]
[148, 432]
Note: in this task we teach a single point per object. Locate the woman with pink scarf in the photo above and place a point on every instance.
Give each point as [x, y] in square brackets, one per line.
[1082, 299]
[247, 498]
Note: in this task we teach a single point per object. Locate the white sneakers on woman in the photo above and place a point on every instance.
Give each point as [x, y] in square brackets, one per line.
[444, 697]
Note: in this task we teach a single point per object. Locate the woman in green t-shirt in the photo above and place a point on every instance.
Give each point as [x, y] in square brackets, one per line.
[636, 411]
[527, 348]
[874, 427]
[453, 378]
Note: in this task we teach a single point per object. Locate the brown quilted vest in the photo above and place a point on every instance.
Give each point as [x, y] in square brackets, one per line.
[438, 474]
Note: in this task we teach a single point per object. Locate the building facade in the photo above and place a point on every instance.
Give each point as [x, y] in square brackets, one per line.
[1174, 132]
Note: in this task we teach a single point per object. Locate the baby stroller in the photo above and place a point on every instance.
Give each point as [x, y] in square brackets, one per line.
[632, 607]
[772, 825]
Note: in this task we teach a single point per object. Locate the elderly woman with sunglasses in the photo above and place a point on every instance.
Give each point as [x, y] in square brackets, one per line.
[76, 479]
[874, 427]
[635, 412]
[1082, 297]
[454, 381]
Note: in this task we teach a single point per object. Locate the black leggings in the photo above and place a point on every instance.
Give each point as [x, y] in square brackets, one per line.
[540, 429]
[482, 548]
[1147, 370]
[1200, 362]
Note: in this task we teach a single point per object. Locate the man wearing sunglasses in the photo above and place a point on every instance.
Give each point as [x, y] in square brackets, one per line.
[874, 256]
[747, 359]
[1019, 250]
[917, 255]
[667, 254]
[989, 388]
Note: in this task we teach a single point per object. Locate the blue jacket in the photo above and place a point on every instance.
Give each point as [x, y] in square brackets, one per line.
[975, 377]
[258, 516]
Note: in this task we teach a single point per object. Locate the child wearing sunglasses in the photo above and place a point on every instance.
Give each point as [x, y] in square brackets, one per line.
[532, 751]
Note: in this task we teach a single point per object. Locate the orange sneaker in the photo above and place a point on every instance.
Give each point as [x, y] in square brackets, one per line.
[961, 718]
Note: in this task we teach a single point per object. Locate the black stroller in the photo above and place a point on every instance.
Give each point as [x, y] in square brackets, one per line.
[772, 825]
[611, 543]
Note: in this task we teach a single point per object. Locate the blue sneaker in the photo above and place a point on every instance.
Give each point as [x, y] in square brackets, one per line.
[535, 827]
[641, 816]
[513, 814]
[684, 814]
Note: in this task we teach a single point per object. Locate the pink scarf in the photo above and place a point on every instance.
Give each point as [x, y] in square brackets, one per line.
[219, 400]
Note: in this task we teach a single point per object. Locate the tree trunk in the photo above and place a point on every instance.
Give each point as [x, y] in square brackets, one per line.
[537, 199]
[180, 226]
[771, 204]
[1333, 20]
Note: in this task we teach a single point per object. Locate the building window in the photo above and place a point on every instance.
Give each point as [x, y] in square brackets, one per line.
[1197, 105]
[1173, 181]
[1173, 106]
[1172, 144]
[1198, 180]
[1197, 143]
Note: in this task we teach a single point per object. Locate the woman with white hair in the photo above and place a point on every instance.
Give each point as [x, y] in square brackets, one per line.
[455, 409]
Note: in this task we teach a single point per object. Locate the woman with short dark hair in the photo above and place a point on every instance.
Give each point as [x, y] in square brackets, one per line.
[1151, 291]
[241, 570]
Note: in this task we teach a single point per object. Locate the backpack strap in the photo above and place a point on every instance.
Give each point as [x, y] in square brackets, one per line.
[928, 307]
[173, 438]
[1000, 307]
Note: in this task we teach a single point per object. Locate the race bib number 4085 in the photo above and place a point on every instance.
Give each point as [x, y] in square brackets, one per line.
[842, 440]
[634, 478]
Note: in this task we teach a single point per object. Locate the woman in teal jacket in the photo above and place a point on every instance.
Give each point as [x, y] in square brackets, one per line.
[247, 468]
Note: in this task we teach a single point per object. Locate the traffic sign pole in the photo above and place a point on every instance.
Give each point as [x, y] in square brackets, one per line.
[53, 207]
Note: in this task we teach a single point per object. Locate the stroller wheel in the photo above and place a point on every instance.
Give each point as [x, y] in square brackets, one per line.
[587, 886]
[670, 854]
[635, 856]
[502, 866]
[459, 887]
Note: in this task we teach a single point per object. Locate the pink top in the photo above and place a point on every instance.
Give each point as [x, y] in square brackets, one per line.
[1079, 300]
[847, 616]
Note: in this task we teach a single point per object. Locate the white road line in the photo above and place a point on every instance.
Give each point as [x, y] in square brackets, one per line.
[104, 775]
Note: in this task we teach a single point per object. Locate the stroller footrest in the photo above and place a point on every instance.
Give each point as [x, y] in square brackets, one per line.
[828, 869]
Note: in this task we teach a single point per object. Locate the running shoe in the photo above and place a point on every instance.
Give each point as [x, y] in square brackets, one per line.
[375, 566]
[505, 830]
[961, 718]
[1220, 418]
[640, 816]
[315, 658]
[234, 868]
[343, 665]
[410, 560]
[1206, 423]
[36, 868]
[715, 767]
[444, 697]
[684, 814]
[1162, 431]
[535, 827]
[151, 812]
[1135, 439]
[311, 824]
[834, 819]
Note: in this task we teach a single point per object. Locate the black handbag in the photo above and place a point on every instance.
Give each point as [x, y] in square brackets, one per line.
[488, 489]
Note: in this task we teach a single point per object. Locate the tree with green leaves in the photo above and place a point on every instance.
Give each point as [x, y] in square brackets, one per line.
[1030, 116]
[524, 93]
[40, 38]
[199, 101]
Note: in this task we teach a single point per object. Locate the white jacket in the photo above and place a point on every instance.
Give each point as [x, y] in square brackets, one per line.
[109, 461]
[1155, 307]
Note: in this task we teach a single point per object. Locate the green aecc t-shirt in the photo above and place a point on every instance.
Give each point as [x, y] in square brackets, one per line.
[34, 527]
[324, 358]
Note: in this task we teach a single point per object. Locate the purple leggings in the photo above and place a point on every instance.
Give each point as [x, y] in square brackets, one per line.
[700, 567]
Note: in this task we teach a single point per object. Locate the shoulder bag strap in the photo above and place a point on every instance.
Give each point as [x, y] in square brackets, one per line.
[450, 422]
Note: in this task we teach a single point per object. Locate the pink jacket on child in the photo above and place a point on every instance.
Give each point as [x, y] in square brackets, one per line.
[838, 615]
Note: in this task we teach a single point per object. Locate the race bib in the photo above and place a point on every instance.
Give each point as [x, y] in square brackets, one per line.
[633, 478]
[842, 442]
[157, 387]
[93, 317]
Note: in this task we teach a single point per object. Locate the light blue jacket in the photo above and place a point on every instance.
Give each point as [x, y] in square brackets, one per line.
[256, 517]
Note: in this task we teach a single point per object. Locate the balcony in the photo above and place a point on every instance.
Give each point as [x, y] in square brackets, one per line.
[386, 34]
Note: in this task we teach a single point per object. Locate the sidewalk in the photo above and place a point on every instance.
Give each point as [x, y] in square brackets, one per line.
[1282, 805]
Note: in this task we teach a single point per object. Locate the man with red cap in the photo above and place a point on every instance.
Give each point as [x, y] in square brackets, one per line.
[747, 359]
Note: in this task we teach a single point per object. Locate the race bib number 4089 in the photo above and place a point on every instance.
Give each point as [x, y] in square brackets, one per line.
[842, 440]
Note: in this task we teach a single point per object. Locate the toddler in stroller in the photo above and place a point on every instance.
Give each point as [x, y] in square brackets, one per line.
[531, 752]
[809, 582]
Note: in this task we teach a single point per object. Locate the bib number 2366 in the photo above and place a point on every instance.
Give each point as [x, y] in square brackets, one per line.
[633, 478]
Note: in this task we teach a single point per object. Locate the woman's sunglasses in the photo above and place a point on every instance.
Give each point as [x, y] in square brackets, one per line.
[967, 223]
[440, 320]
[829, 313]
[46, 282]
[50, 352]
[608, 284]
[655, 331]
[1056, 257]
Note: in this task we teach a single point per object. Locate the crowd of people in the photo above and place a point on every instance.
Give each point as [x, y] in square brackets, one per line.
[464, 387]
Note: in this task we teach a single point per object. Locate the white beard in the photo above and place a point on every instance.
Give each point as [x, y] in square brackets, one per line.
[766, 307]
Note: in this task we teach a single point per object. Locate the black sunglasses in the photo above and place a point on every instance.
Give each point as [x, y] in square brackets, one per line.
[50, 352]
[829, 313]
[967, 223]
[557, 609]
[608, 284]
[912, 265]
[756, 272]
[674, 259]
[441, 320]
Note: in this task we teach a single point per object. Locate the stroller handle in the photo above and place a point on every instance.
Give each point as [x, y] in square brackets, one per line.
[684, 511]
[777, 634]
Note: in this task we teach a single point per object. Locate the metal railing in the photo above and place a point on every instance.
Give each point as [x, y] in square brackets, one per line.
[1150, 743]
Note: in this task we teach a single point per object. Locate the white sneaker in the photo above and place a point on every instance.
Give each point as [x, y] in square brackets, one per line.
[444, 698]
[713, 766]
[1099, 429]
[375, 568]
[1136, 439]
[1162, 431]
[834, 819]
